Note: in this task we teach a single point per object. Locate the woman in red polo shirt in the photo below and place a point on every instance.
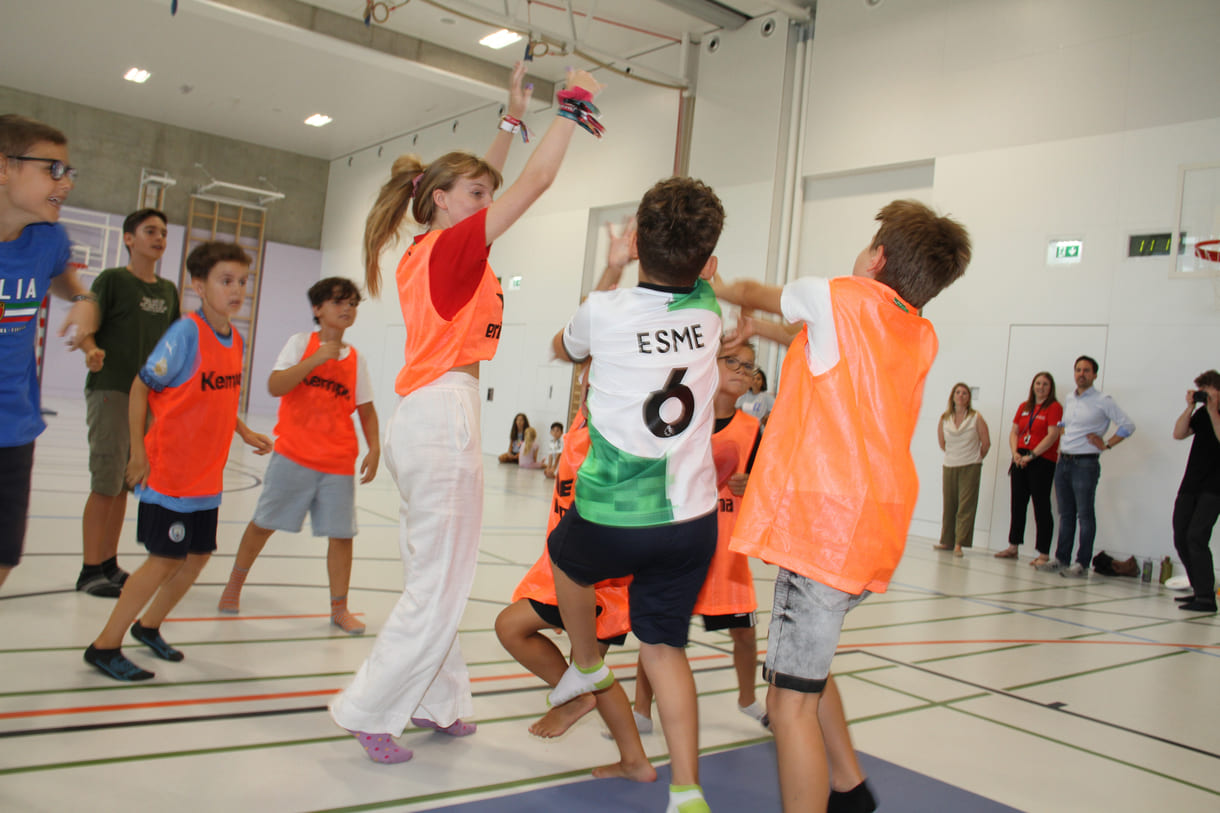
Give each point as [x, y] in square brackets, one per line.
[1034, 442]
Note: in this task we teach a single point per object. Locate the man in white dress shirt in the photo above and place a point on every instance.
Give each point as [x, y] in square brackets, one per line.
[1087, 416]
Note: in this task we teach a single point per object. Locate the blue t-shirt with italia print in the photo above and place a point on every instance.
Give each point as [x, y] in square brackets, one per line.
[27, 266]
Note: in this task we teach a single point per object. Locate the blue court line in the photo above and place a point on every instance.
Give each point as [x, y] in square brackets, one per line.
[739, 779]
[1079, 624]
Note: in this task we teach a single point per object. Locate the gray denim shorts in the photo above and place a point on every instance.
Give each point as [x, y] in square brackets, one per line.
[806, 620]
[290, 490]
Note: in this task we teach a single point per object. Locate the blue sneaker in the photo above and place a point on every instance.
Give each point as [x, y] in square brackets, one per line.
[152, 639]
[112, 663]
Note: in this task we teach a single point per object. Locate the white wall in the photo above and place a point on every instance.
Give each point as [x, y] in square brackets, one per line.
[1042, 119]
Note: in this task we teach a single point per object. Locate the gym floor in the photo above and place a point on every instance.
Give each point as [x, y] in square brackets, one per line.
[974, 684]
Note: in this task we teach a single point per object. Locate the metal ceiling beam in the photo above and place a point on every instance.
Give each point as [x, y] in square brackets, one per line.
[710, 11]
[435, 58]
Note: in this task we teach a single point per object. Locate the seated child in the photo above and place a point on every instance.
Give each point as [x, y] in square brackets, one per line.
[556, 450]
[527, 458]
[834, 485]
[191, 383]
[320, 381]
[646, 495]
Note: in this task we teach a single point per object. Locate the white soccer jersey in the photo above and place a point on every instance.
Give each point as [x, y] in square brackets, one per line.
[651, 386]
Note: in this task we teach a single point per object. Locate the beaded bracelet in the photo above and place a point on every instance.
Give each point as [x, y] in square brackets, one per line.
[583, 112]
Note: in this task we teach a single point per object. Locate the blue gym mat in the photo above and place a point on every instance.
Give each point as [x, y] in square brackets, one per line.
[742, 780]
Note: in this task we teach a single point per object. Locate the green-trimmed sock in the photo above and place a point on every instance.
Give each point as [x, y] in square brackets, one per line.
[687, 799]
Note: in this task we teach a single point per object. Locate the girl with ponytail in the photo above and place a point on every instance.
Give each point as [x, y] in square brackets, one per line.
[452, 307]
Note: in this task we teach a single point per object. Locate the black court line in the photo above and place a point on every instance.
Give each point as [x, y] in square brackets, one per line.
[1050, 706]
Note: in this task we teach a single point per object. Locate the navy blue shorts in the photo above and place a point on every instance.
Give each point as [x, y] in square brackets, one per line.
[550, 614]
[172, 534]
[16, 469]
[668, 565]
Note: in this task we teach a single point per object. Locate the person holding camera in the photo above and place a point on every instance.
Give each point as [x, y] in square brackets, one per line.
[1198, 503]
[1087, 415]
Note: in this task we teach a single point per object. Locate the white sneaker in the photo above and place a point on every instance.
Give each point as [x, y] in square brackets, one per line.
[1050, 566]
[1076, 571]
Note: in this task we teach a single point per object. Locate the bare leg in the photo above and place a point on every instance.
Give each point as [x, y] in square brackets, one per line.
[174, 589]
[804, 783]
[4, 571]
[643, 693]
[578, 607]
[745, 663]
[339, 566]
[845, 771]
[614, 708]
[252, 542]
[671, 678]
[101, 525]
[519, 629]
[138, 589]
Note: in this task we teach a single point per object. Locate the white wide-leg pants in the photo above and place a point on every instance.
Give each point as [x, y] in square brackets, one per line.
[433, 451]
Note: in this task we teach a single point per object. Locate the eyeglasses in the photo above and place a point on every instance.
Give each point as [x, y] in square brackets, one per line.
[58, 168]
[735, 364]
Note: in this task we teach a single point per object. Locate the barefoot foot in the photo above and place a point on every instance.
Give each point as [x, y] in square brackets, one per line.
[636, 772]
[559, 719]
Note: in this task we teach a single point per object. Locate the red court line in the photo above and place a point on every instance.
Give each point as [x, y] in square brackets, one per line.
[160, 704]
[12, 715]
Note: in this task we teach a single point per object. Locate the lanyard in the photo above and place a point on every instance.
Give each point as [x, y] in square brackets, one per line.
[1029, 425]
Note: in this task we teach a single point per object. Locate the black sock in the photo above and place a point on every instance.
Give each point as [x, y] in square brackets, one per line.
[110, 566]
[857, 800]
[88, 572]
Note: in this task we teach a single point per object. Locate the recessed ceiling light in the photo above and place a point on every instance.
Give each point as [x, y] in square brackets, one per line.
[137, 75]
[500, 39]
[318, 120]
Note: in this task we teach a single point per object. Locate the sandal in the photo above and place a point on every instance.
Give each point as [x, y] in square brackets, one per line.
[1008, 553]
[1041, 560]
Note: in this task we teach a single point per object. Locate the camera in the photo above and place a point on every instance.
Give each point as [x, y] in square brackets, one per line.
[1200, 397]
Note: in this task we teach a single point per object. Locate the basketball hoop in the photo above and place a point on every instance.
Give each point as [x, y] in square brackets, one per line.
[1207, 254]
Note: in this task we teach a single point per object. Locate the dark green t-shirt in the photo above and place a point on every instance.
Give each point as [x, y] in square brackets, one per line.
[134, 314]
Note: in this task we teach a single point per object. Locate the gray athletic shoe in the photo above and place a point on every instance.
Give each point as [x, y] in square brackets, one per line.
[1076, 571]
[1051, 566]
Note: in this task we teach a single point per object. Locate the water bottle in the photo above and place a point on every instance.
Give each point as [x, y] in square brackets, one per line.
[1166, 569]
[1147, 574]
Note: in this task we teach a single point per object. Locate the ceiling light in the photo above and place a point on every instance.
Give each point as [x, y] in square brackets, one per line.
[500, 39]
[137, 75]
[318, 120]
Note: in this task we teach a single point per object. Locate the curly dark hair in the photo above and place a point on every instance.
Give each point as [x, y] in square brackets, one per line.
[678, 225]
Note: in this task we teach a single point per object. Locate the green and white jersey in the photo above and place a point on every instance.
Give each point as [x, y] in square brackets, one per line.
[651, 386]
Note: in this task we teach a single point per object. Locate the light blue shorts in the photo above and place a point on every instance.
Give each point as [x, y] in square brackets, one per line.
[290, 490]
[806, 620]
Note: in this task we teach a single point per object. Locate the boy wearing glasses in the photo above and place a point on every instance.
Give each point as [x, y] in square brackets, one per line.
[35, 180]
[137, 307]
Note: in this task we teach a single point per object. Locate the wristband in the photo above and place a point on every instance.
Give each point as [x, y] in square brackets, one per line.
[513, 125]
[89, 297]
[574, 95]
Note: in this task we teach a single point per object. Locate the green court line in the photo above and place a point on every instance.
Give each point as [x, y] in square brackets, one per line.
[1088, 751]
[972, 654]
[1098, 670]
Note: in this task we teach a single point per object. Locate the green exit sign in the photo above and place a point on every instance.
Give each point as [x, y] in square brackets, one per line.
[1063, 252]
